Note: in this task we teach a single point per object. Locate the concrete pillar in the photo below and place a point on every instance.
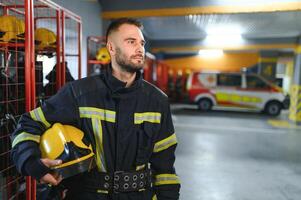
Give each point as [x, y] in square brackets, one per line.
[295, 94]
[267, 64]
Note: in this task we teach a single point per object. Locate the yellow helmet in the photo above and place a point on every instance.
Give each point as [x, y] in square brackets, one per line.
[45, 39]
[12, 29]
[103, 55]
[65, 142]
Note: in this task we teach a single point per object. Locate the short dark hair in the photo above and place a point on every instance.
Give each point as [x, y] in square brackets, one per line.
[118, 22]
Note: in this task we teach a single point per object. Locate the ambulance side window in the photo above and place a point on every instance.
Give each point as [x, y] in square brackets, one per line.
[230, 80]
[255, 82]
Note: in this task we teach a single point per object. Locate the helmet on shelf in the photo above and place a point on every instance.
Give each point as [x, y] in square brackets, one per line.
[103, 55]
[45, 39]
[12, 29]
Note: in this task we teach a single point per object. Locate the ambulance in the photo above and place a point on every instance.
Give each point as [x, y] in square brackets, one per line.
[236, 90]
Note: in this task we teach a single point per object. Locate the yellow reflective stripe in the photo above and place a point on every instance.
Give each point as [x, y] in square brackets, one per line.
[163, 179]
[38, 115]
[220, 96]
[25, 137]
[97, 130]
[102, 114]
[152, 117]
[165, 143]
[154, 197]
[97, 115]
[140, 167]
[102, 191]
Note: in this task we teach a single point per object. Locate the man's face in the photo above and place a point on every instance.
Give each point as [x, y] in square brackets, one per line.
[129, 51]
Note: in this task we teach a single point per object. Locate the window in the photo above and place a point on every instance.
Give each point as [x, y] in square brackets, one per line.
[207, 80]
[233, 80]
[255, 82]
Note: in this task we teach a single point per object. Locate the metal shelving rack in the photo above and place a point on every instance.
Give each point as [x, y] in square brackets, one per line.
[24, 69]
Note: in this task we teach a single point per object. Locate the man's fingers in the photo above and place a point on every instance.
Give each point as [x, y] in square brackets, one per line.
[50, 179]
[50, 163]
[58, 177]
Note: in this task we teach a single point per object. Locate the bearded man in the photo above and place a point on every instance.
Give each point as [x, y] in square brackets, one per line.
[126, 119]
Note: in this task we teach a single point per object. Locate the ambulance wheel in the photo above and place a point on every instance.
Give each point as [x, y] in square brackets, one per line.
[205, 104]
[273, 108]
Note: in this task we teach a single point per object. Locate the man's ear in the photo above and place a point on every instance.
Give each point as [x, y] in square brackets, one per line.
[110, 47]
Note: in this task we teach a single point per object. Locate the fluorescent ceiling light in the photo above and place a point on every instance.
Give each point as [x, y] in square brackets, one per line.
[224, 35]
[227, 29]
[223, 39]
[211, 53]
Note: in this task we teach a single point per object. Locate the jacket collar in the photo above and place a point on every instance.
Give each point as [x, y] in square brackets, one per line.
[117, 86]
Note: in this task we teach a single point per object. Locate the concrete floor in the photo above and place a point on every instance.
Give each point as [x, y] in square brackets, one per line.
[236, 156]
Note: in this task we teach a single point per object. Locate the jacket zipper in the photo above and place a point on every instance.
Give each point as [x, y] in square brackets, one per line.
[116, 133]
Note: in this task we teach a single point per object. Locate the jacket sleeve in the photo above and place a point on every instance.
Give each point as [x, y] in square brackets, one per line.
[25, 139]
[166, 181]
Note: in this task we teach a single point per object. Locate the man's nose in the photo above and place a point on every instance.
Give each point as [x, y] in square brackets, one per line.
[140, 49]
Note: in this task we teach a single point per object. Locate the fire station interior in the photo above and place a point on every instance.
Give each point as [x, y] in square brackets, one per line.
[231, 70]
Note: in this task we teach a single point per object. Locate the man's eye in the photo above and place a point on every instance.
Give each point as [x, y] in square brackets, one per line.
[131, 41]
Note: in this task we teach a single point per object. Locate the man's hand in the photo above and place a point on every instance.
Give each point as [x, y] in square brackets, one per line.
[50, 178]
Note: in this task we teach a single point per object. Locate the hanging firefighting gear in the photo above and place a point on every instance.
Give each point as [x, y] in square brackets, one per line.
[130, 130]
[50, 87]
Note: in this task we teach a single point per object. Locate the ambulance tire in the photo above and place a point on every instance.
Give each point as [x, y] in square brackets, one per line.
[205, 104]
[273, 108]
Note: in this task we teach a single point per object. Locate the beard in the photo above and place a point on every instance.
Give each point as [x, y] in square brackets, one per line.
[126, 64]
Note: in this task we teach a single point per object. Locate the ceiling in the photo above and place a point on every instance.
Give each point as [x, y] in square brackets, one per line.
[177, 26]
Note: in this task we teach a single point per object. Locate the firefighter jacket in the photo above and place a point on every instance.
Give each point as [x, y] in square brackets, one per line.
[129, 127]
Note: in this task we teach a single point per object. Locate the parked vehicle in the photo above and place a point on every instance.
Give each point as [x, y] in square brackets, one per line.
[237, 90]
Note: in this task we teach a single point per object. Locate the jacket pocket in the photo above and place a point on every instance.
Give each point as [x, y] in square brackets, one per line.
[145, 144]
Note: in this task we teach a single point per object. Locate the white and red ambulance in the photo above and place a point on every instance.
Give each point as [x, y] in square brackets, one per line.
[236, 90]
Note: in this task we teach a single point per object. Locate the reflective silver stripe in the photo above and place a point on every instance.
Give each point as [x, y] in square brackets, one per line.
[165, 143]
[90, 112]
[38, 115]
[25, 137]
[97, 130]
[152, 117]
[164, 179]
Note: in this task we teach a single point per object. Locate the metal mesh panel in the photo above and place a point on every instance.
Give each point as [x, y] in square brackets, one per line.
[71, 49]
[12, 96]
[49, 50]
[45, 19]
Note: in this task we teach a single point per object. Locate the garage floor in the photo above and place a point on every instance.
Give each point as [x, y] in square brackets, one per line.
[226, 155]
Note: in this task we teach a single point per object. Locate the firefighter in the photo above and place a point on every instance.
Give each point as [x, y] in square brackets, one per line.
[126, 119]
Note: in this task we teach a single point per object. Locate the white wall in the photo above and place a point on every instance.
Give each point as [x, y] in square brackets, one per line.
[90, 12]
